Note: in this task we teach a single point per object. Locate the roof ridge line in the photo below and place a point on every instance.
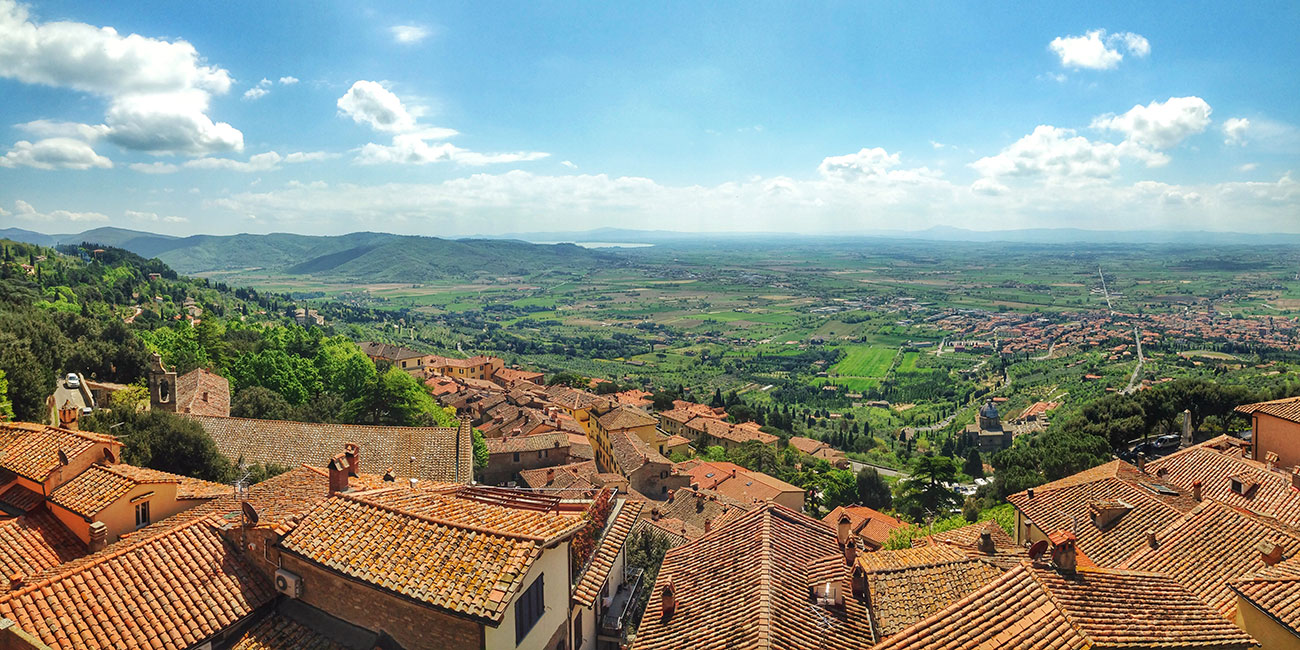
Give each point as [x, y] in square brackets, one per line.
[83, 567]
[1056, 603]
[765, 606]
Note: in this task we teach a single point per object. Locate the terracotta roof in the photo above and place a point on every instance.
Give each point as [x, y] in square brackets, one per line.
[1035, 607]
[535, 442]
[806, 445]
[909, 557]
[388, 351]
[170, 590]
[99, 486]
[969, 536]
[610, 545]
[762, 601]
[694, 507]
[630, 453]
[35, 542]
[382, 447]
[193, 386]
[869, 524]
[32, 450]
[1275, 591]
[20, 499]
[626, 417]
[737, 433]
[1287, 408]
[680, 416]
[452, 553]
[1226, 534]
[279, 632]
[573, 398]
[735, 481]
[574, 476]
[634, 397]
[1214, 462]
[511, 375]
[900, 597]
[1065, 505]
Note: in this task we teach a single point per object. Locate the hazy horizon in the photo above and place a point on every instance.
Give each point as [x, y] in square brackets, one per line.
[460, 121]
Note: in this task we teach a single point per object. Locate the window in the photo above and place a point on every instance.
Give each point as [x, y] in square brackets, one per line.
[529, 609]
[577, 630]
[516, 456]
[142, 514]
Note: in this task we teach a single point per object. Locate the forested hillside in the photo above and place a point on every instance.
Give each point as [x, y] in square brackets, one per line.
[101, 311]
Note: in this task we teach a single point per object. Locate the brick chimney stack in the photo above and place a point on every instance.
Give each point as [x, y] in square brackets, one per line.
[668, 599]
[1064, 554]
[68, 414]
[353, 452]
[338, 468]
[1196, 490]
[842, 530]
[985, 544]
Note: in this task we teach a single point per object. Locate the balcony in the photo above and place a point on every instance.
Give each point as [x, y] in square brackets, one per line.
[613, 624]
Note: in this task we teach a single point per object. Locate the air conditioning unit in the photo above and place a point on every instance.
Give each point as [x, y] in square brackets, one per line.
[287, 583]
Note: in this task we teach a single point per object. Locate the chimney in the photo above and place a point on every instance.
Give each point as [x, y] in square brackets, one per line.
[412, 483]
[1269, 551]
[1029, 493]
[16, 581]
[1151, 539]
[1064, 555]
[985, 544]
[1295, 478]
[708, 526]
[338, 468]
[850, 553]
[1196, 489]
[353, 452]
[205, 395]
[390, 476]
[654, 514]
[68, 414]
[842, 529]
[668, 599]
[1187, 428]
[1142, 463]
[98, 536]
[550, 474]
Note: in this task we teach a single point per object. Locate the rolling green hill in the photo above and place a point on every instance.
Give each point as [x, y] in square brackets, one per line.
[361, 256]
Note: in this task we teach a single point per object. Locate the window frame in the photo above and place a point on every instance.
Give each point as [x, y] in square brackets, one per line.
[530, 607]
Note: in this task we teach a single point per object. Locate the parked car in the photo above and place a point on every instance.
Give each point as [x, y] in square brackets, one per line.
[1168, 441]
[73, 381]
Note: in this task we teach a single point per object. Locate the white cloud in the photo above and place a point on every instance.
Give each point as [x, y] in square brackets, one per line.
[1234, 130]
[409, 34]
[56, 129]
[158, 91]
[1159, 125]
[569, 164]
[288, 81]
[155, 168]
[54, 153]
[256, 92]
[1061, 155]
[256, 163]
[1248, 167]
[369, 102]
[24, 210]
[153, 217]
[867, 162]
[989, 187]
[1097, 51]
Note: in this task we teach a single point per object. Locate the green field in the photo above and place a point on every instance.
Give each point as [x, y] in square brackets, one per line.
[864, 361]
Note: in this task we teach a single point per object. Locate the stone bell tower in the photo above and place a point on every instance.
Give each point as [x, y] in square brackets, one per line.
[162, 386]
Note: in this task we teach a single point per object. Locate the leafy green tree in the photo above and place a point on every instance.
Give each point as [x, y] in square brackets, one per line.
[292, 376]
[396, 398]
[30, 381]
[343, 367]
[481, 454]
[261, 403]
[923, 494]
[714, 454]
[6, 407]
[872, 490]
[756, 456]
[131, 398]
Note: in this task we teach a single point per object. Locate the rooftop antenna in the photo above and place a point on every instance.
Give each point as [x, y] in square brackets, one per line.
[241, 495]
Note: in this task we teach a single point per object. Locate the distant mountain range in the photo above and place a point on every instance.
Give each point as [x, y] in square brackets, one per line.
[936, 233]
[383, 257]
[366, 256]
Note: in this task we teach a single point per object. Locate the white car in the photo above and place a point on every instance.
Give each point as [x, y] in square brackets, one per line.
[73, 381]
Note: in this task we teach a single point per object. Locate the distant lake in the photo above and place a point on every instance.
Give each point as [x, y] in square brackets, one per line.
[598, 244]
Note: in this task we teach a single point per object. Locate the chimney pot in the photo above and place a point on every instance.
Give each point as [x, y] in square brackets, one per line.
[413, 482]
[1151, 539]
[668, 599]
[985, 545]
[98, 536]
[353, 452]
[844, 523]
[1142, 463]
[16, 581]
[1029, 493]
[1196, 490]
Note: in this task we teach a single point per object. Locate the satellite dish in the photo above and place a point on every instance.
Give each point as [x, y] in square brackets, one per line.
[1038, 549]
[250, 513]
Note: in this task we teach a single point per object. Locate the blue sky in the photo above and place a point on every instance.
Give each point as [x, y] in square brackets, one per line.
[459, 119]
